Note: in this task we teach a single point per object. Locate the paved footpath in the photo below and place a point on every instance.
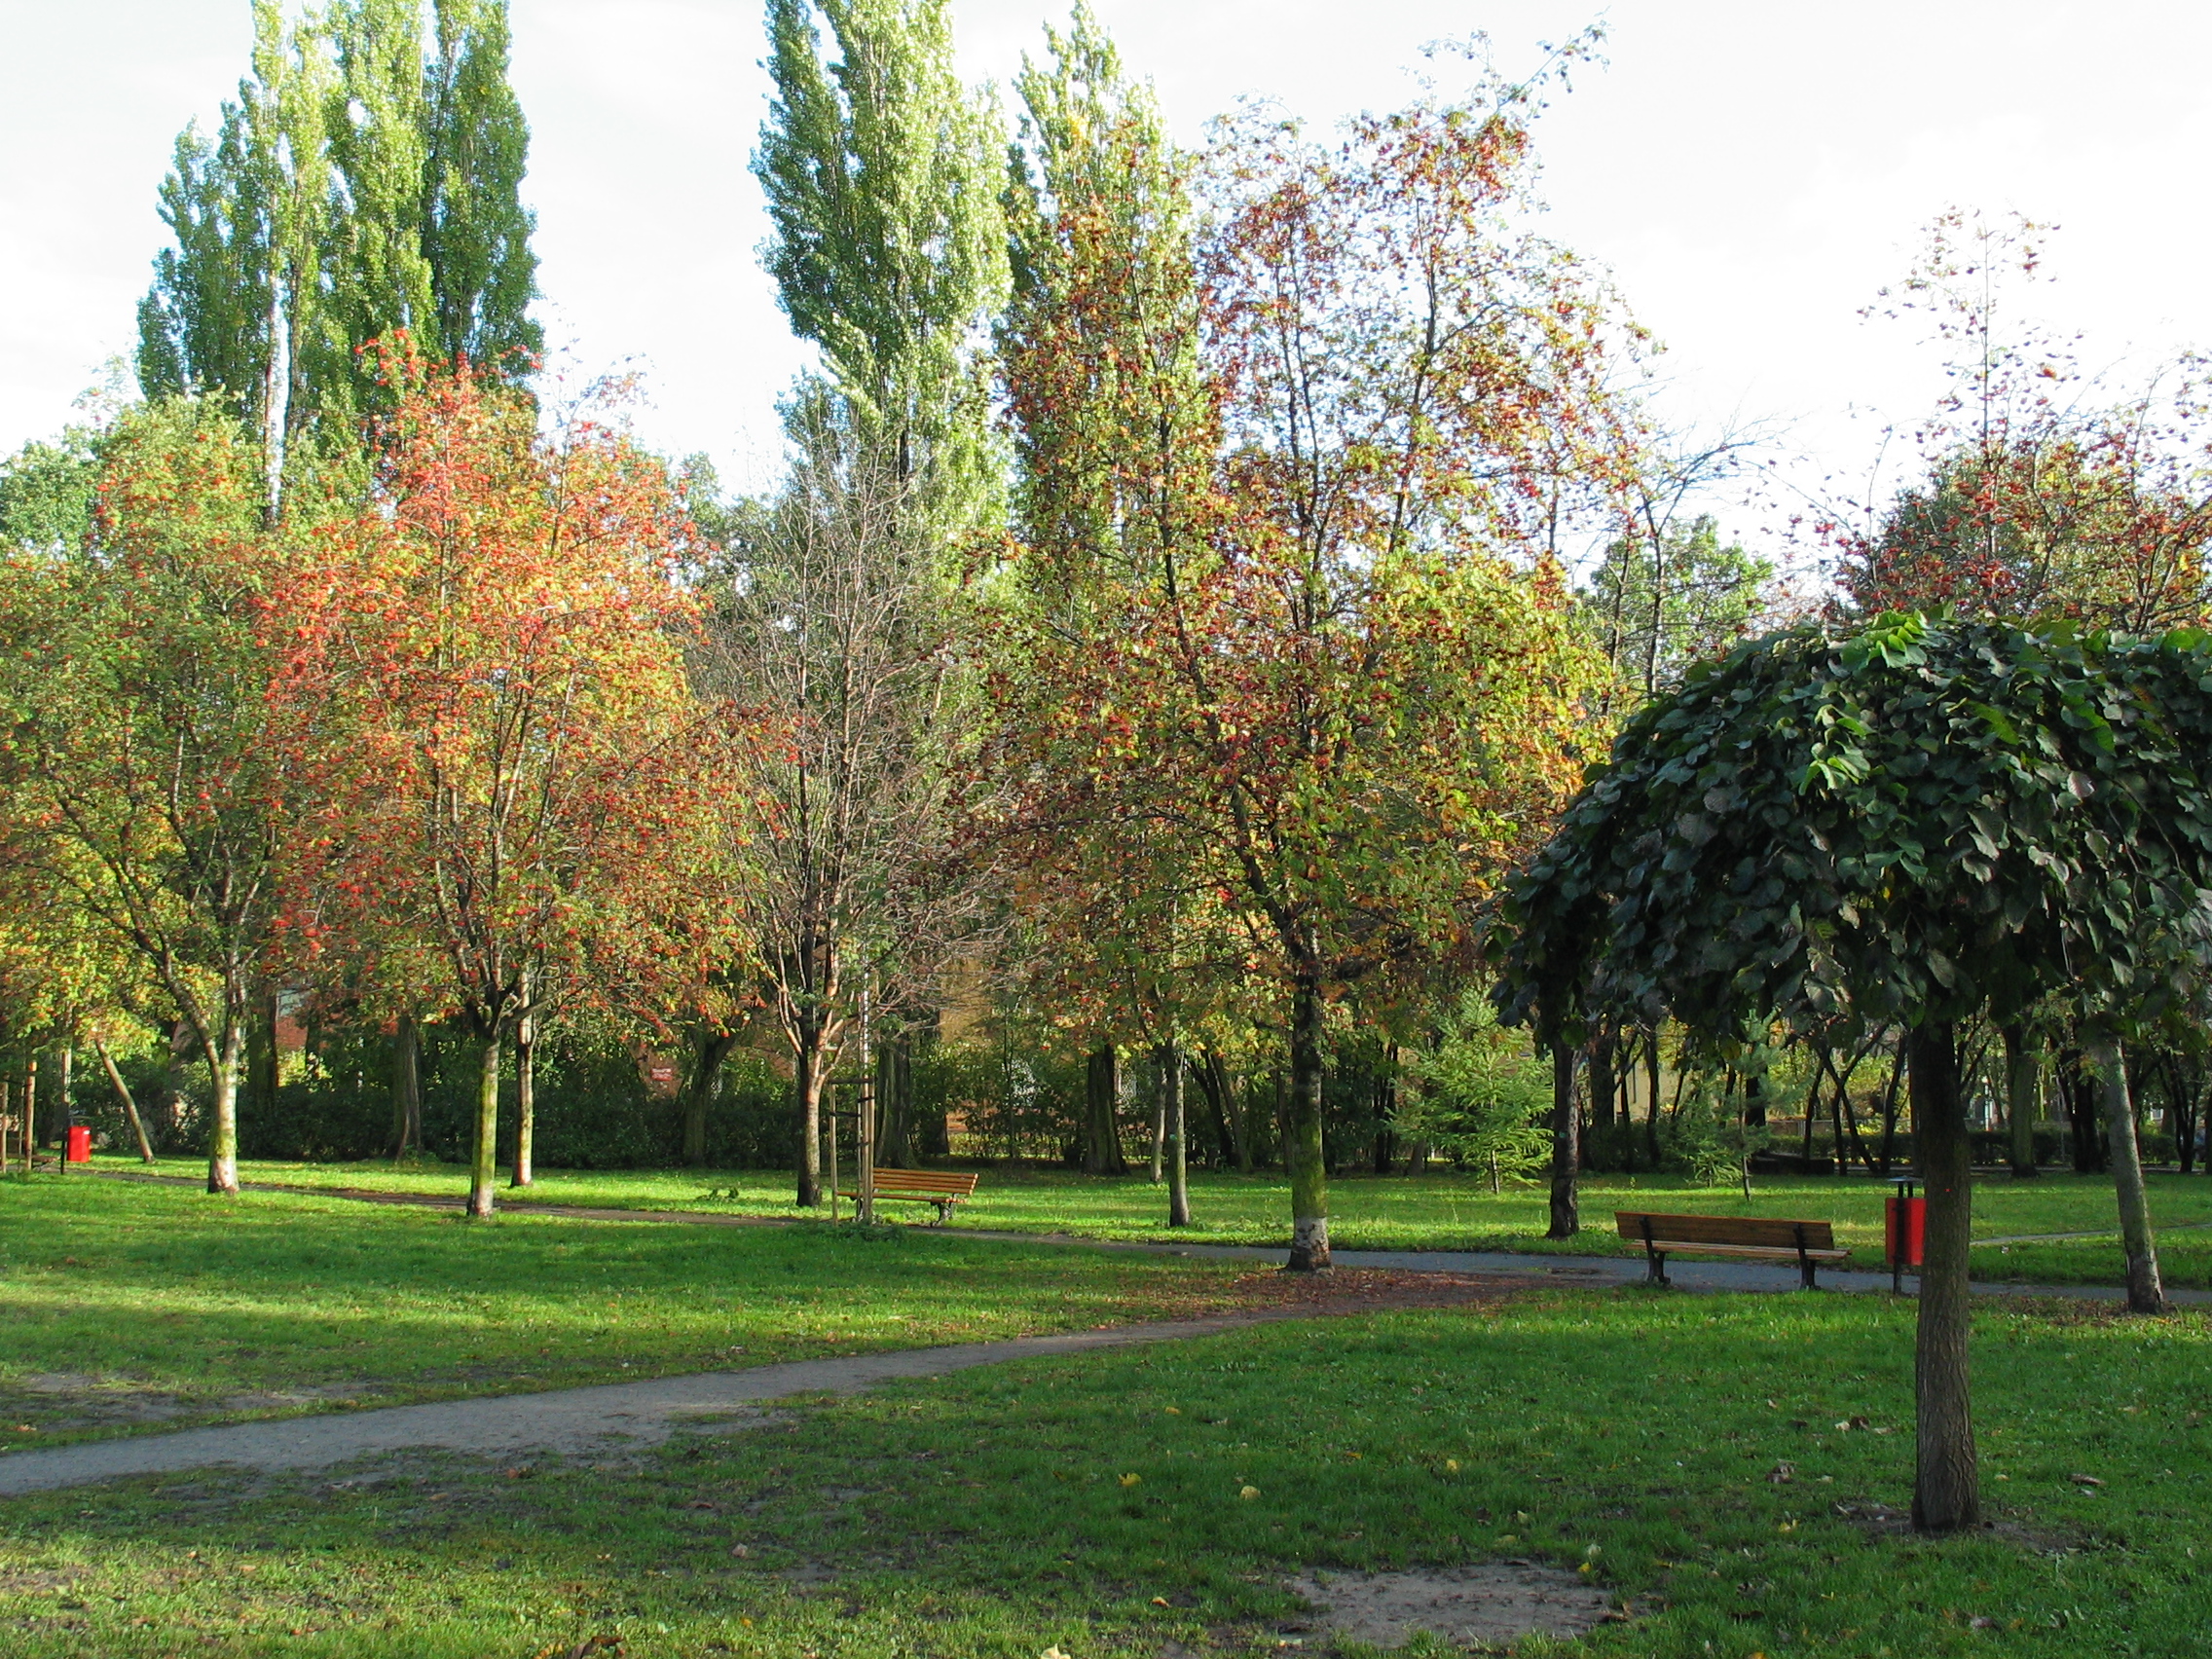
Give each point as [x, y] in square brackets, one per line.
[613, 1416]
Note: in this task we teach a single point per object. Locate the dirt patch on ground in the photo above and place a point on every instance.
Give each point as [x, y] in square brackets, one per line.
[1489, 1605]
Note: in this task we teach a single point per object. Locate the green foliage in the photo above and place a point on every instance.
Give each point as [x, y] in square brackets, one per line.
[1914, 819]
[1656, 611]
[356, 188]
[889, 253]
[47, 494]
[1476, 1092]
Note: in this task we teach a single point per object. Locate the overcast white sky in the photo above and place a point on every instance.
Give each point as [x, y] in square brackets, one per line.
[1751, 170]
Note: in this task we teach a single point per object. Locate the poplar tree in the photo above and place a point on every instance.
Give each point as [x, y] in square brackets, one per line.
[354, 188]
[880, 171]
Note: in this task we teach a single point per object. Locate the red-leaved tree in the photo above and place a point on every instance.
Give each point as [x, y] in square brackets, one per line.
[482, 708]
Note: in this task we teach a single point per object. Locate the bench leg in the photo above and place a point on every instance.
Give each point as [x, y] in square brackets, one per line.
[1655, 1265]
[1805, 1271]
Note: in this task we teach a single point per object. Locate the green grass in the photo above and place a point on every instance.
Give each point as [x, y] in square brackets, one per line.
[993, 1515]
[128, 1307]
[1434, 1212]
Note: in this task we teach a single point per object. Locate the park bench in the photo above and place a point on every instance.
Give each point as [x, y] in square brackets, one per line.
[1801, 1241]
[942, 1188]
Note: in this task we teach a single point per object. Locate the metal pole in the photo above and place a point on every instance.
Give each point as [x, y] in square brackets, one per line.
[831, 1118]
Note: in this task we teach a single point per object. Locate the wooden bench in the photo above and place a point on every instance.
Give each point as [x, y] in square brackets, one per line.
[1801, 1241]
[942, 1188]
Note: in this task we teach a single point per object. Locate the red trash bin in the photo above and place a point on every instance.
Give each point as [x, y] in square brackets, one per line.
[80, 1144]
[1905, 1232]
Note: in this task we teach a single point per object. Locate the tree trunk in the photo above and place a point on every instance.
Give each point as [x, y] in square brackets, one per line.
[1302, 1149]
[261, 1052]
[2023, 1067]
[2146, 1291]
[64, 1070]
[1603, 1051]
[484, 1144]
[526, 1101]
[223, 1058]
[1178, 1159]
[895, 1102]
[807, 1090]
[1387, 1110]
[1566, 1150]
[123, 1093]
[2080, 1112]
[1946, 1488]
[1225, 1137]
[1234, 1107]
[1890, 1109]
[702, 1088]
[406, 1086]
[1102, 1135]
[1160, 1130]
[1651, 1080]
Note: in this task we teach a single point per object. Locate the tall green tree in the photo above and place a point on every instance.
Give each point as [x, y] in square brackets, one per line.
[881, 174]
[357, 187]
[475, 230]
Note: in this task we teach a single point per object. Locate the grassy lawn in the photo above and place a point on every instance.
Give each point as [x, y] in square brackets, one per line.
[1435, 1212]
[1094, 1506]
[129, 1306]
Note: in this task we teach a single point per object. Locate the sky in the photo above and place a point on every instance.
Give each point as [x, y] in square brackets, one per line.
[1752, 172]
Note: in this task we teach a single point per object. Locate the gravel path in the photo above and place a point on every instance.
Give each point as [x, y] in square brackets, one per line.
[620, 1415]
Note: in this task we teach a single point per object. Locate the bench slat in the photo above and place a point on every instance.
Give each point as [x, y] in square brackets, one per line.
[1689, 1232]
[926, 1180]
[1779, 1252]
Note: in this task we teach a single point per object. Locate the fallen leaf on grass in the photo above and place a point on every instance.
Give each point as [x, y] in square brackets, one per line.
[1248, 1494]
[1783, 1473]
[2086, 1480]
[1132, 1480]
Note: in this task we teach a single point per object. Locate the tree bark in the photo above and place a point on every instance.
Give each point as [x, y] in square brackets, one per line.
[807, 1090]
[894, 1101]
[1567, 1147]
[701, 1090]
[1102, 1137]
[2023, 1067]
[1652, 1080]
[484, 1143]
[1159, 1132]
[1386, 1111]
[2146, 1290]
[406, 1086]
[1235, 1108]
[123, 1093]
[223, 1058]
[526, 1101]
[1304, 1152]
[65, 1071]
[261, 1052]
[1171, 1104]
[1946, 1488]
[1602, 1088]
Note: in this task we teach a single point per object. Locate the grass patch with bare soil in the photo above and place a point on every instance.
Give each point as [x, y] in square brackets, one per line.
[1724, 1470]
